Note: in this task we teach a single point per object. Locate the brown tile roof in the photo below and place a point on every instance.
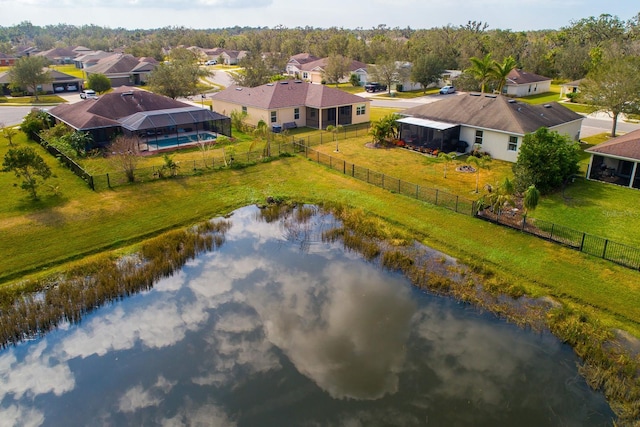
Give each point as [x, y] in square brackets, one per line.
[287, 94]
[627, 146]
[108, 108]
[520, 77]
[58, 52]
[495, 112]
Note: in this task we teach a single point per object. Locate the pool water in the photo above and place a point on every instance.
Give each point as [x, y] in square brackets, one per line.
[165, 142]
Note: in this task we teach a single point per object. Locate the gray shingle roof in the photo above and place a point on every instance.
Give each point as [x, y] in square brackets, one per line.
[627, 146]
[287, 94]
[494, 112]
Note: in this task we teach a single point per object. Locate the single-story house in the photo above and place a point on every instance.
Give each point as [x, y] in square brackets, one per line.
[290, 103]
[140, 113]
[617, 161]
[294, 64]
[6, 60]
[314, 71]
[90, 58]
[494, 124]
[570, 87]
[232, 57]
[60, 82]
[123, 69]
[522, 83]
[59, 55]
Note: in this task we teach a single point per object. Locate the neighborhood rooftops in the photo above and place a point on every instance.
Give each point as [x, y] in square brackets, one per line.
[286, 94]
[494, 112]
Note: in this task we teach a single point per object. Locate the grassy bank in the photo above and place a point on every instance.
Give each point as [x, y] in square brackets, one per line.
[39, 236]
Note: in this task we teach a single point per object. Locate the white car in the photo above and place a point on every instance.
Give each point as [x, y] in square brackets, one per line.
[447, 89]
[211, 62]
[88, 93]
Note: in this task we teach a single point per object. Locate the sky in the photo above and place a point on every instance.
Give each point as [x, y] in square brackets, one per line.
[516, 15]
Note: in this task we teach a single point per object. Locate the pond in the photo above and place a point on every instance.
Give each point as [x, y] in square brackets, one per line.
[277, 328]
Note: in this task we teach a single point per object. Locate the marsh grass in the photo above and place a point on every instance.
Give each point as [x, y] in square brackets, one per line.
[36, 307]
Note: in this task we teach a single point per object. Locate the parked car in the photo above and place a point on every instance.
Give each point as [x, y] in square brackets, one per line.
[72, 88]
[375, 87]
[88, 93]
[447, 89]
[58, 89]
[211, 62]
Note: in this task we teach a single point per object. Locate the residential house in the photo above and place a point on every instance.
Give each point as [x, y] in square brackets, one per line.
[570, 87]
[6, 60]
[494, 124]
[232, 57]
[290, 103]
[60, 82]
[123, 69]
[314, 71]
[617, 161]
[59, 55]
[139, 113]
[522, 83]
[89, 59]
[294, 64]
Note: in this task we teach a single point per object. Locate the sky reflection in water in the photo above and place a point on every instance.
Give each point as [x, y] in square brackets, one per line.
[261, 332]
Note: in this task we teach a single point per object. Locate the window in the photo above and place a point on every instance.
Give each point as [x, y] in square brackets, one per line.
[513, 143]
[244, 109]
[296, 113]
[274, 116]
[305, 75]
[479, 135]
[361, 110]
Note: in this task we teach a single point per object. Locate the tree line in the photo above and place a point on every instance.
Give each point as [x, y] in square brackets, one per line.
[567, 53]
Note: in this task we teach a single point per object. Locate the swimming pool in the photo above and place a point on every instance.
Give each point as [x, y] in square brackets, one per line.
[172, 141]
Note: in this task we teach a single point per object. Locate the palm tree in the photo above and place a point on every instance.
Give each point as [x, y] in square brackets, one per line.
[501, 71]
[479, 163]
[531, 198]
[482, 69]
[448, 158]
[335, 130]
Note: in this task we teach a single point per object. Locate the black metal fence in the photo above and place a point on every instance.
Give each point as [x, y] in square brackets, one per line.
[67, 161]
[208, 163]
[618, 253]
[396, 185]
[625, 255]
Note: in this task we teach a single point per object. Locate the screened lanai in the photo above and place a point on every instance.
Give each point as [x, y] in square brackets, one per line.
[154, 126]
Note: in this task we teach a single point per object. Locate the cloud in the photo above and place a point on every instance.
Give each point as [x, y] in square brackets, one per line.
[152, 4]
[20, 416]
[39, 373]
[208, 414]
[346, 333]
[138, 397]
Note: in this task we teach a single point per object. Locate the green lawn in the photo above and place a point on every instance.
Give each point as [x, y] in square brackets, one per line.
[40, 236]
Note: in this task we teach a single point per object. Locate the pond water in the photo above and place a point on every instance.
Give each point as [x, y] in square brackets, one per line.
[276, 328]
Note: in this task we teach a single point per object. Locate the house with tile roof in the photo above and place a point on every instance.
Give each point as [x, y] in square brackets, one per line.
[313, 70]
[123, 69]
[6, 60]
[617, 161]
[522, 83]
[290, 103]
[59, 55]
[60, 82]
[494, 124]
[138, 113]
